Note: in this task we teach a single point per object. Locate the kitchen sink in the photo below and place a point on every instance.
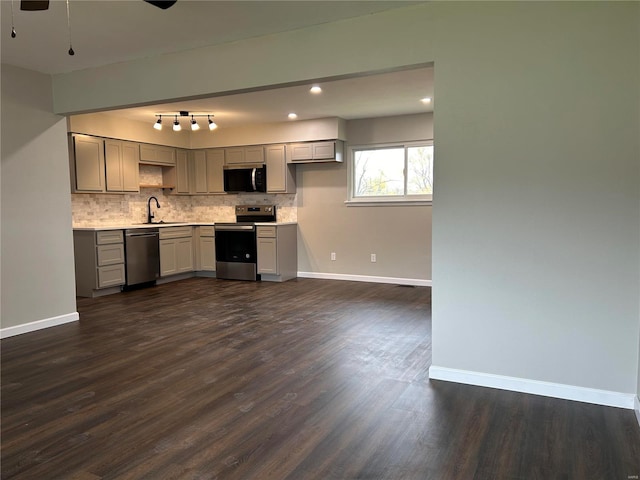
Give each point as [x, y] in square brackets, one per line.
[161, 222]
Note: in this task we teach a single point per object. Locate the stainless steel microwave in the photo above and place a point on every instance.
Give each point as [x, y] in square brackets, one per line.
[245, 178]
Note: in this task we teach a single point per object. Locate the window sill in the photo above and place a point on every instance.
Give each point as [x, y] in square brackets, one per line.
[388, 203]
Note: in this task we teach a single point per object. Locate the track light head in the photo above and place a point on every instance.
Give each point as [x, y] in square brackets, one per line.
[176, 125]
[158, 124]
[194, 124]
[212, 125]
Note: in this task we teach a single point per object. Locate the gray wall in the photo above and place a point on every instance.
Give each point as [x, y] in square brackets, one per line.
[400, 236]
[38, 280]
[536, 215]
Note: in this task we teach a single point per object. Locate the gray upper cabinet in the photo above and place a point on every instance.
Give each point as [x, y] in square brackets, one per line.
[86, 155]
[215, 167]
[183, 185]
[308, 152]
[199, 169]
[280, 174]
[157, 155]
[248, 154]
[122, 166]
[103, 165]
[206, 171]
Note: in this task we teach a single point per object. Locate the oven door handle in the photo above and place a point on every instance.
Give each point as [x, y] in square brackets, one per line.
[234, 228]
[253, 179]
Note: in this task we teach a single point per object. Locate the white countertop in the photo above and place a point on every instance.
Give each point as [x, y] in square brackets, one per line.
[162, 225]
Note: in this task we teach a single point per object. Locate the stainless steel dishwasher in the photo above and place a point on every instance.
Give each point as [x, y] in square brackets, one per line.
[142, 255]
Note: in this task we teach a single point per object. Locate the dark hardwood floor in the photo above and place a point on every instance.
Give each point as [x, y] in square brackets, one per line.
[310, 379]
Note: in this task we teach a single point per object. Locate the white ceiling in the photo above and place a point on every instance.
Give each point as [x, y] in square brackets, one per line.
[105, 32]
[394, 93]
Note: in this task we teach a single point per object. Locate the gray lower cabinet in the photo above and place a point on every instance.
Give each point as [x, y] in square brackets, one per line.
[99, 262]
[176, 250]
[277, 252]
[206, 249]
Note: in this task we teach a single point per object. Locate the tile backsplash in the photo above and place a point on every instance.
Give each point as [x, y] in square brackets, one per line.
[101, 209]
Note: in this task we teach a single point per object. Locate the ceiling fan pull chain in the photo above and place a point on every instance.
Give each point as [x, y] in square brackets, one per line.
[13, 29]
[71, 52]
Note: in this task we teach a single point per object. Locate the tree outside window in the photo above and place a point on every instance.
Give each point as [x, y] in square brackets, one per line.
[393, 172]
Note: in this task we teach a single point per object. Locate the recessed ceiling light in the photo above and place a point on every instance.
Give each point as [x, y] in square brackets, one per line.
[426, 100]
[315, 89]
[292, 116]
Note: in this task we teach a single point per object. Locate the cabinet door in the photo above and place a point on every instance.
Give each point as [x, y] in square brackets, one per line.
[234, 155]
[89, 163]
[324, 150]
[130, 167]
[254, 154]
[215, 168]
[182, 172]
[300, 151]
[157, 155]
[280, 177]
[166, 155]
[113, 165]
[184, 254]
[168, 258]
[267, 256]
[199, 171]
[207, 250]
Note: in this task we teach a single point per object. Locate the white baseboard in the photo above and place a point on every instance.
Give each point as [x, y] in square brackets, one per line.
[636, 407]
[366, 278]
[547, 389]
[38, 325]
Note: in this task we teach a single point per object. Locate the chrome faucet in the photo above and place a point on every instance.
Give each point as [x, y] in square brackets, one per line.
[149, 214]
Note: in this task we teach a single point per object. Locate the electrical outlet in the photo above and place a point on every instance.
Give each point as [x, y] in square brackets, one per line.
[333, 256]
[374, 259]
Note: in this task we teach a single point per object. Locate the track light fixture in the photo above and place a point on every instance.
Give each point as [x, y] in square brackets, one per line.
[176, 122]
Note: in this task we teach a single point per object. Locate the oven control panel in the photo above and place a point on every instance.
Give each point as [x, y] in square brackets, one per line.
[255, 213]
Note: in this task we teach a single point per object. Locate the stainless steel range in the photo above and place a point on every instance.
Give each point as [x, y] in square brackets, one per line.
[236, 250]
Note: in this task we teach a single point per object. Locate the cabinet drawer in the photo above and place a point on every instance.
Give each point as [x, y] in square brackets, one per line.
[266, 232]
[175, 232]
[105, 237]
[110, 276]
[207, 231]
[110, 254]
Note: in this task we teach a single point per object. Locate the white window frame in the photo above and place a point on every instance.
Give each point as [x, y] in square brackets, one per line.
[385, 200]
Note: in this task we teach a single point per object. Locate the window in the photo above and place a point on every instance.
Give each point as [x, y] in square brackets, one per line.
[391, 173]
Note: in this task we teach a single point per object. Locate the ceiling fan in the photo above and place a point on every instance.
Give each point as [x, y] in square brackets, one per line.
[39, 5]
[36, 5]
